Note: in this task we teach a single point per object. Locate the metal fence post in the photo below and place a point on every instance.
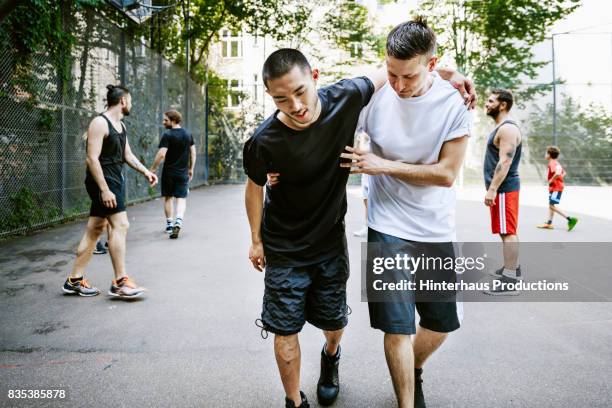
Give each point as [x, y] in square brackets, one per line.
[206, 119]
[554, 83]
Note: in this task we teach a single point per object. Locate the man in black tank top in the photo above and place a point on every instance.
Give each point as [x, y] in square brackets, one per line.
[502, 181]
[107, 150]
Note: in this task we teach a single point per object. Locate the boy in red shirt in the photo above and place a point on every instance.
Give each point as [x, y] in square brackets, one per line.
[555, 188]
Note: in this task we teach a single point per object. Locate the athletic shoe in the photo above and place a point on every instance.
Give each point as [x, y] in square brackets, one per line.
[125, 288]
[168, 228]
[361, 233]
[499, 272]
[175, 232]
[546, 226]
[419, 398]
[80, 287]
[328, 386]
[504, 289]
[571, 223]
[304, 404]
[100, 248]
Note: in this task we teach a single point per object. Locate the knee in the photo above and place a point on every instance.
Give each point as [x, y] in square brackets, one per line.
[333, 340]
[96, 229]
[122, 226]
[396, 340]
[287, 348]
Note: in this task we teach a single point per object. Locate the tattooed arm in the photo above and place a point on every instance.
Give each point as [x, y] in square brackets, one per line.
[509, 137]
[134, 163]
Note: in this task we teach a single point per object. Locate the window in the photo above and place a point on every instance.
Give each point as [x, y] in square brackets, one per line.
[356, 50]
[143, 47]
[231, 44]
[234, 93]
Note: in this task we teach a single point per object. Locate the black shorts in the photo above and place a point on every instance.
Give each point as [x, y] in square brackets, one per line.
[174, 185]
[313, 293]
[98, 209]
[397, 316]
[554, 197]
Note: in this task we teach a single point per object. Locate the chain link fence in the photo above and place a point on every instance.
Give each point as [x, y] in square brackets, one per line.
[45, 114]
[581, 128]
[583, 131]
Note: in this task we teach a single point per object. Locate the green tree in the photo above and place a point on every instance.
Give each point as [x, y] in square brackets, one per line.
[584, 136]
[280, 19]
[492, 41]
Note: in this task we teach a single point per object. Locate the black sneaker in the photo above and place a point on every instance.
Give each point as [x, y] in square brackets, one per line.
[504, 286]
[419, 398]
[168, 228]
[100, 248]
[175, 232]
[498, 273]
[328, 386]
[80, 287]
[304, 404]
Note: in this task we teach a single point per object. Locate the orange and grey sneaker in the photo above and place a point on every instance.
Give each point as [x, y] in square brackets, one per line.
[80, 287]
[126, 288]
[546, 225]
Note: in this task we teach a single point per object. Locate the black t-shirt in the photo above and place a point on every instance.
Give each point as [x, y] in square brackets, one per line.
[178, 141]
[303, 219]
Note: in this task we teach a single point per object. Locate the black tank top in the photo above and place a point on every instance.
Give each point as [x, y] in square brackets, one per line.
[112, 155]
[512, 181]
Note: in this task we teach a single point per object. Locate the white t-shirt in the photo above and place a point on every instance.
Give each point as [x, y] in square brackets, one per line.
[412, 130]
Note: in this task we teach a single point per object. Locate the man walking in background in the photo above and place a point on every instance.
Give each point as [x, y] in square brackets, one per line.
[177, 151]
[556, 173]
[502, 181]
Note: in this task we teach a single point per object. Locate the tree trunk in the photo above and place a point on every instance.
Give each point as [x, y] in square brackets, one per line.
[84, 56]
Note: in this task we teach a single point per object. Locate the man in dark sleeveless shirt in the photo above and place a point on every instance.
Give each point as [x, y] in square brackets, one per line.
[107, 150]
[502, 181]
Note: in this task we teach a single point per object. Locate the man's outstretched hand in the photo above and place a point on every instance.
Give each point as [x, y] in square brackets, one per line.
[466, 88]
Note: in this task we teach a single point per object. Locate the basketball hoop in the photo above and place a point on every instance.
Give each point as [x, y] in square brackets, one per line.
[138, 11]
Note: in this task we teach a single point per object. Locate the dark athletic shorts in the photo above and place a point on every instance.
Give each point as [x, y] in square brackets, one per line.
[554, 197]
[174, 185]
[98, 209]
[312, 293]
[398, 317]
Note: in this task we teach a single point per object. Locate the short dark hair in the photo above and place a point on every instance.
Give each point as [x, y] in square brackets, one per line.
[174, 116]
[281, 62]
[114, 94]
[504, 95]
[410, 39]
[553, 151]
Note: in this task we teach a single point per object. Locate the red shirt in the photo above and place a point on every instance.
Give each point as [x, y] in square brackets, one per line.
[553, 168]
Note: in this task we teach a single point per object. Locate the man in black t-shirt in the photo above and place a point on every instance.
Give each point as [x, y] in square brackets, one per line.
[298, 234]
[177, 151]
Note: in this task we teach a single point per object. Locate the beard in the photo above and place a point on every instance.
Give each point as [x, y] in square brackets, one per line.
[168, 126]
[493, 112]
[125, 111]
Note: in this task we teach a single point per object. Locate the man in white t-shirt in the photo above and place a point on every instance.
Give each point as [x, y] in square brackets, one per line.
[419, 128]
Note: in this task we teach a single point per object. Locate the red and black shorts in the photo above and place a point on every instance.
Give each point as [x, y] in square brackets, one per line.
[504, 213]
